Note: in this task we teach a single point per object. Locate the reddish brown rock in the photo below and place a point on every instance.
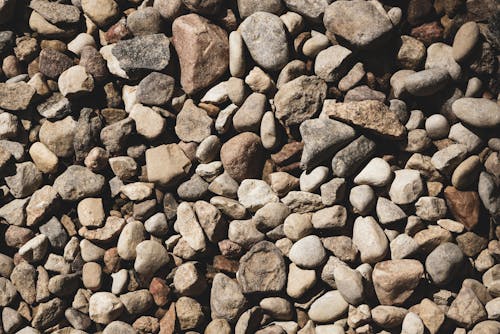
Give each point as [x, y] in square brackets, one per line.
[94, 63]
[112, 261]
[203, 50]
[116, 32]
[242, 156]
[160, 291]
[16, 236]
[167, 323]
[464, 206]
[428, 33]
[52, 63]
[289, 153]
[221, 263]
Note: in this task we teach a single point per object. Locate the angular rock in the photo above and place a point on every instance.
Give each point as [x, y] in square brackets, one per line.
[78, 182]
[170, 155]
[16, 96]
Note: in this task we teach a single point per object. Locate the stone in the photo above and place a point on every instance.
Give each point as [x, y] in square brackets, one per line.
[78, 182]
[155, 89]
[362, 25]
[142, 53]
[189, 227]
[403, 246]
[237, 61]
[299, 281]
[241, 156]
[299, 99]
[75, 81]
[264, 35]
[348, 160]
[437, 126]
[56, 106]
[144, 21]
[115, 135]
[116, 326]
[188, 281]
[104, 307]
[148, 123]
[226, 298]
[271, 215]
[332, 63]
[248, 7]
[463, 205]
[329, 307]
[411, 53]
[254, 194]
[388, 212]
[362, 199]
[130, 236]
[250, 114]
[8, 292]
[322, 138]
[371, 115]
[23, 277]
[447, 159]
[58, 136]
[137, 302]
[101, 13]
[53, 63]
[302, 201]
[464, 136]
[203, 50]
[262, 269]
[350, 284]
[370, 240]
[308, 252]
[94, 63]
[193, 123]
[25, 181]
[444, 263]
[388, 316]
[406, 187]
[171, 155]
[487, 190]
[333, 191]
[244, 233]
[395, 280]
[465, 40]
[189, 313]
[16, 96]
[479, 112]
[426, 82]
[56, 234]
[150, 256]
[466, 310]
[376, 173]
[430, 208]
[439, 55]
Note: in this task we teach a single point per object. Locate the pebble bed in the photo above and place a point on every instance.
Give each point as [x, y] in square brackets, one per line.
[249, 166]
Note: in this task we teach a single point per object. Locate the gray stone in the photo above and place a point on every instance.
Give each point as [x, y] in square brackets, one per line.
[388, 212]
[55, 232]
[349, 284]
[78, 182]
[302, 201]
[430, 208]
[427, 82]
[406, 187]
[332, 63]
[448, 158]
[56, 106]
[226, 298]
[329, 307]
[349, 159]
[155, 89]
[439, 55]
[488, 192]
[248, 7]
[150, 256]
[444, 263]
[193, 123]
[370, 239]
[249, 115]
[312, 10]
[104, 307]
[362, 199]
[479, 112]
[16, 96]
[25, 181]
[308, 252]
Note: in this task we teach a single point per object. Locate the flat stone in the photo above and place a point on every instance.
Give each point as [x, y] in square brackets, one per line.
[16, 96]
[332, 63]
[78, 182]
[322, 138]
[395, 280]
[387, 316]
[371, 115]
[463, 205]
[465, 40]
[303, 201]
[361, 24]
[427, 82]
[203, 50]
[193, 123]
[299, 99]
[75, 81]
[262, 269]
[166, 155]
[479, 112]
[265, 37]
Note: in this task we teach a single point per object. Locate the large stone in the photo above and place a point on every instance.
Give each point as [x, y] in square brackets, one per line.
[329, 307]
[371, 115]
[248, 7]
[322, 138]
[226, 299]
[170, 156]
[78, 182]
[444, 263]
[58, 136]
[189, 227]
[104, 307]
[25, 181]
[348, 160]
[16, 96]
[312, 9]
[299, 99]
[426, 82]
[463, 205]
[370, 239]
[262, 269]
[193, 123]
[56, 13]
[101, 12]
[466, 310]
[479, 112]
[395, 280]
[362, 24]
[406, 187]
[242, 156]
[332, 63]
[265, 37]
[203, 50]
[308, 252]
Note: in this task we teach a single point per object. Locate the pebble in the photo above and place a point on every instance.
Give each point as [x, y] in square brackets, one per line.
[430, 208]
[104, 307]
[315, 44]
[302, 201]
[447, 159]
[439, 55]
[203, 50]
[465, 40]
[353, 77]
[148, 122]
[155, 89]
[150, 256]
[349, 159]
[249, 115]
[254, 194]
[411, 53]
[53, 63]
[350, 284]
[236, 55]
[329, 307]
[332, 63]
[406, 187]
[479, 112]
[308, 252]
[362, 199]
[376, 173]
[311, 181]
[426, 82]
[16, 96]
[388, 212]
[75, 81]
[101, 13]
[188, 226]
[174, 157]
[443, 263]
[248, 7]
[437, 126]
[467, 173]
[370, 239]
[265, 37]
[226, 298]
[242, 166]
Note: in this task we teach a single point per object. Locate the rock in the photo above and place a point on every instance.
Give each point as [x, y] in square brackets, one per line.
[150, 256]
[248, 7]
[56, 106]
[362, 24]
[463, 205]
[467, 173]
[265, 38]
[244, 233]
[403, 246]
[388, 316]
[376, 173]
[431, 315]
[322, 137]
[444, 262]
[14, 211]
[299, 281]
[487, 190]
[411, 53]
[406, 187]
[56, 234]
[23, 277]
[94, 63]
[226, 298]
[369, 239]
[16, 96]
[312, 10]
[350, 284]
[437, 126]
[131, 236]
[101, 13]
[166, 155]
[144, 21]
[439, 55]
[465, 40]
[362, 199]
[430, 208]
[348, 160]
[388, 212]
[329, 307]
[8, 126]
[148, 122]
[104, 307]
[395, 280]
[115, 135]
[479, 112]
[53, 63]
[155, 89]
[332, 63]
[471, 244]
[299, 99]
[466, 310]
[58, 136]
[137, 302]
[333, 192]
[241, 156]
[189, 313]
[262, 269]
[188, 281]
[464, 136]
[302, 201]
[8, 292]
[426, 82]
[116, 327]
[447, 159]
[308, 252]
[25, 181]
[203, 50]
[78, 182]
[372, 115]
[142, 53]
[311, 181]
[193, 123]
[75, 81]
[189, 227]
[249, 116]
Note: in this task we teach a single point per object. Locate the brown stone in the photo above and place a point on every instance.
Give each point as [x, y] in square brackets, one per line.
[94, 63]
[203, 50]
[395, 280]
[167, 323]
[52, 63]
[108, 232]
[464, 206]
[112, 261]
[290, 152]
[432, 316]
[242, 156]
[160, 291]
[222, 263]
[370, 114]
[428, 33]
